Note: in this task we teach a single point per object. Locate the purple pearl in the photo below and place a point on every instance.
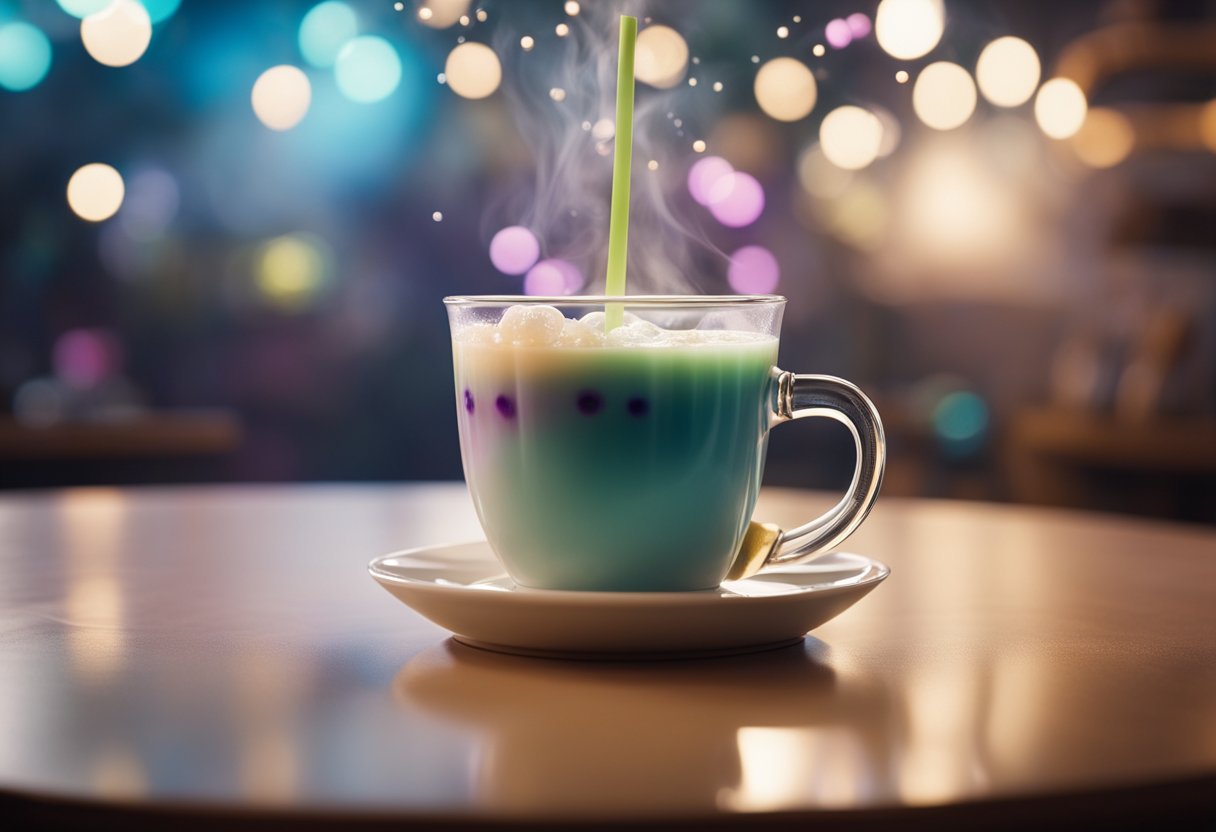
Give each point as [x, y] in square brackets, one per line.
[506, 406]
[638, 406]
[590, 402]
[468, 400]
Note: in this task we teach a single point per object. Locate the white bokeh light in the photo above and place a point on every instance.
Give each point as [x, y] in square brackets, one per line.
[119, 34]
[1060, 107]
[660, 57]
[473, 70]
[785, 89]
[908, 29]
[850, 137]
[281, 97]
[95, 192]
[944, 96]
[1008, 72]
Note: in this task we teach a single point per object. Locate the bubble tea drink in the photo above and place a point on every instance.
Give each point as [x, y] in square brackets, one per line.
[587, 453]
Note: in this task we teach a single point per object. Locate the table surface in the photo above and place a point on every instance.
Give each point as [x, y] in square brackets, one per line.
[191, 651]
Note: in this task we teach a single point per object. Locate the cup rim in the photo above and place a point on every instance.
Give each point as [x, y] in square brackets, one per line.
[633, 301]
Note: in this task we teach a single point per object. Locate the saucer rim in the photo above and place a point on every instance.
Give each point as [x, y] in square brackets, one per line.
[875, 573]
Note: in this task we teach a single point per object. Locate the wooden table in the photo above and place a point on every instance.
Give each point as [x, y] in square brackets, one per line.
[191, 656]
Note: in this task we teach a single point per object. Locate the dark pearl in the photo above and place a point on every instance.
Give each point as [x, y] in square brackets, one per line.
[506, 406]
[468, 400]
[638, 406]
[590, 402]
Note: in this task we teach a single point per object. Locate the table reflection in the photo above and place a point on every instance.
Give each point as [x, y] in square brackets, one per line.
[749, 732]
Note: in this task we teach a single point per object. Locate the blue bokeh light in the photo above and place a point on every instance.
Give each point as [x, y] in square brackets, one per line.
[25, 56]
[368, 69]
[960, 421]
[160, 10]
[82, 8]
[325, 30]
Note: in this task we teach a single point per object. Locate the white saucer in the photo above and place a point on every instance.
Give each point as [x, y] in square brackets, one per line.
[463, 588]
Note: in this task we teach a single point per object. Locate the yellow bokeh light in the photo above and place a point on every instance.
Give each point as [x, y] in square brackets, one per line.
[1207, 125]
[819, 177]
[661, 56]
[1105, 139]
[908, 29]
[1059, 108]
[119, 34]
[95, 192]
[290, 270]
[281, 97]
[785, 89]
[1008, 71]
[443, 13]
[572, 7]
[850, 137]
[944, 96]
[473, 70]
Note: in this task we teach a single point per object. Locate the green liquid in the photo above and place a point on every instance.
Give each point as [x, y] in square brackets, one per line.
[615, 468]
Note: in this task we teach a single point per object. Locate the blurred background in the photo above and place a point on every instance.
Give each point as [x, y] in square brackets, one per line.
[226, 227]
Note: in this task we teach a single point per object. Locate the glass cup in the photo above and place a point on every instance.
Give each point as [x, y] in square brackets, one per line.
[630, 459]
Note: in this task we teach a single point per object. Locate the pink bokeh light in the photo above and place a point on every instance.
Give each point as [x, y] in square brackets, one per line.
[838, 33]
[553, 277]
[706, 173]
[85, 357]
[514, 250]
[859, 25]
[753, 270]
[736, 200]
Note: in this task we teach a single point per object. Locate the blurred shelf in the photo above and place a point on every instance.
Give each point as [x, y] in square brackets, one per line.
[164, 434]
[1161, 468]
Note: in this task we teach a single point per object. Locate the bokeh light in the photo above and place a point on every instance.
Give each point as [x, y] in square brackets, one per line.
[838, 34]
[553, 277]
[473, 70]
[785, 89]
[1207, 125]
[368, 69]
[161, 10]
[660, 57]
[736, 200]
[25, 56]
[95, 192]
[944, 96]
[704, 174]
[281, 96]
[444, 13]
[850, 137]
[118, 35]
[908, 29]
[960, 421]
[151, 202]
[891, 132]
[750, 142]
[572, 7]
[1059, 108]
[83, 358]
[859, 25]
[325, 30]
[514, 250]
[753, 270]
[819, 177]
[82, 8]
[291, 270]
[1008, 72]
[1105, 139]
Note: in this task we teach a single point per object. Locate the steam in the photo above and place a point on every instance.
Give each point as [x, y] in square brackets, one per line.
[566, 203]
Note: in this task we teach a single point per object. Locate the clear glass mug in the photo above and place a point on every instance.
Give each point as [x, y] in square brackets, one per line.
[630, 459]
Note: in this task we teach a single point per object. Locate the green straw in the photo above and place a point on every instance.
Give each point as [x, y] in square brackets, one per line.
[618, 222]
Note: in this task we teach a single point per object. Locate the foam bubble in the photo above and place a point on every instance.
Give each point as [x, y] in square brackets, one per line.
[580, 334]
[531, 326]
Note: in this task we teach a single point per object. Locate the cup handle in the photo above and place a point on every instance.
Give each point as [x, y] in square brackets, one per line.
[802, 396]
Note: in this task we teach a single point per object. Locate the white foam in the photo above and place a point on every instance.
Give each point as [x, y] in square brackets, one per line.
[545, 326]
